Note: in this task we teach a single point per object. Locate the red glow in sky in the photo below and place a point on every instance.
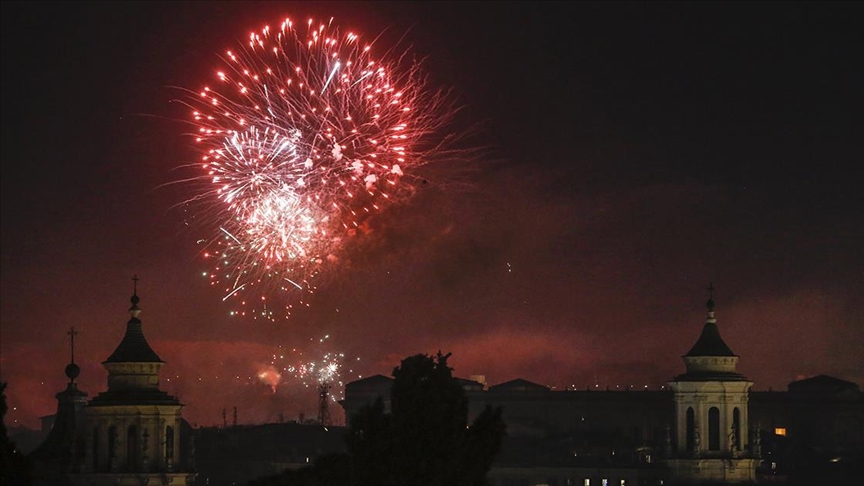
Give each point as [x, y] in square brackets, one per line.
[629, 154]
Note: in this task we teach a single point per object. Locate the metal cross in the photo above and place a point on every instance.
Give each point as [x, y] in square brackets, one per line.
[72, 333]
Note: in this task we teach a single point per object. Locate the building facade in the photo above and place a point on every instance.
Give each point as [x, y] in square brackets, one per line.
[132, 430]
[131, 434]
[706, 427]
[711, 434]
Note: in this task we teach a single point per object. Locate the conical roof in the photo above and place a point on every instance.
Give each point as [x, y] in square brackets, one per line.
[710, 359]
[710, 343]
[134, 347]
[133, 369]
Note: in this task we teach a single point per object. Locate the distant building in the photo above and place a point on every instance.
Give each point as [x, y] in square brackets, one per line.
[237, 454]
[814, 431]
[707, 428]
[131, 434]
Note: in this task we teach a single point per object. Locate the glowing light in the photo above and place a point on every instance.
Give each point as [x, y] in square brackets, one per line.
[270, 376]
[316, 365]
[304, 136]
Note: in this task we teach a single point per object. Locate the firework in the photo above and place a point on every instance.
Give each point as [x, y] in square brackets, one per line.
[317, 365]
[303, 135]
[269, 376]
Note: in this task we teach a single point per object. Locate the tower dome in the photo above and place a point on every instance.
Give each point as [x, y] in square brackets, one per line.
[133, 428]
[711, 358]
[709, 443]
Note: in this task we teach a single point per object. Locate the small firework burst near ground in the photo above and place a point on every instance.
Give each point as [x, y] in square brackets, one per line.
[316, 364]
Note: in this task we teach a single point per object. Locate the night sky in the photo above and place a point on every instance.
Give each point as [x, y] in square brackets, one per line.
[629, 155]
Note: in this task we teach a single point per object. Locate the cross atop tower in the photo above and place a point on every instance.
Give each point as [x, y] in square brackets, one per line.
[72, 333]
[135, 285]
[710, 303]
[72, 370]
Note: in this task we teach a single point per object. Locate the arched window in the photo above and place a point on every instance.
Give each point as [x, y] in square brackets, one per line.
[95, 449]
[169, 443]
[713, 429]
[132, 448]
[736, 429]
[691, 430]
[112, 445]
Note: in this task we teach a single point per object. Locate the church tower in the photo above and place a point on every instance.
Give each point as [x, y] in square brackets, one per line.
[710, 435]
[133, 429]
[63, 449]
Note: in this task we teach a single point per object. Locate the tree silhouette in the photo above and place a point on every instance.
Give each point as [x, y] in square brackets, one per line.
[14, 466]
[425, 439]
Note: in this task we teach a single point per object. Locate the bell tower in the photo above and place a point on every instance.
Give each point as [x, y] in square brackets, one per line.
[133, 429]
[711, 430]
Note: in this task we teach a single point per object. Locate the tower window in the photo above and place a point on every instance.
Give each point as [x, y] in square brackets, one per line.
[112, 445]
[781, 431]
[714, 429]
[691, 430]
[132, 448]
[169, 443]
[95, 449]
[736, 429]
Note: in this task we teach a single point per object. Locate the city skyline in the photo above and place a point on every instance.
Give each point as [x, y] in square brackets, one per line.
[631, 155]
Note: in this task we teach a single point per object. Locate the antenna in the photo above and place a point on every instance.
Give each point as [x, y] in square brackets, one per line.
[324, 403]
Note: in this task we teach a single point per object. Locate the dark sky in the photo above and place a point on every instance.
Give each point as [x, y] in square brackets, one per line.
[632, 153]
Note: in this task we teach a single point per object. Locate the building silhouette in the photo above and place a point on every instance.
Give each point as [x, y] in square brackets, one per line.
[236, 454]
[131, 434]
[711, 439]
[61, 453]
[707, 427]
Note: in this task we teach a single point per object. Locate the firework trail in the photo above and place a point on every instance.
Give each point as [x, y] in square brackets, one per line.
[304, 134]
